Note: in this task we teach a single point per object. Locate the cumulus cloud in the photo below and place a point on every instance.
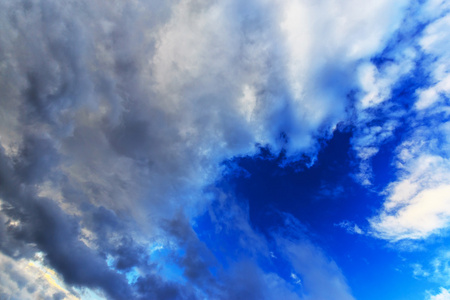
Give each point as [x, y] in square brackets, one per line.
[417, 205]
[444, 294]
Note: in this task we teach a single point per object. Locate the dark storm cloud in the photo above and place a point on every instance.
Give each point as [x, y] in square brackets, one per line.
[154, 287]
[36, 159]
[43, 223]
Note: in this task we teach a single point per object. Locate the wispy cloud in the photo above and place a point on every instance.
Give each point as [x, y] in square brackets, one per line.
[416, 121]
[350, 227]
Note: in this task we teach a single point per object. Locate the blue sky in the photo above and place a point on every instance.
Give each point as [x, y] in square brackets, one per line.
[198, 149]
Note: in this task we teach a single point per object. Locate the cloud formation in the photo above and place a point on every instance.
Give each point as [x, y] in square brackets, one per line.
[116, 117]
[443, 295]
[417, 200]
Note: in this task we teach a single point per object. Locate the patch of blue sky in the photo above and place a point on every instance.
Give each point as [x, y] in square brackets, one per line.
[223, 242]
[110, 262]
[160, 255]
[228, 244]
[131, 275]
[163, 257]
[364, 260]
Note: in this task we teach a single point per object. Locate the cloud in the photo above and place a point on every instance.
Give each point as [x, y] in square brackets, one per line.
[434, 43]
[23, 279]
[250, 282]
[418, 271]
[417, 204]
[256, 259]
[41, 222]
[377, 118]
[320, 276]
[114, 118]
[402, 103]
[350, 227]
[436, 269]
[443, 295]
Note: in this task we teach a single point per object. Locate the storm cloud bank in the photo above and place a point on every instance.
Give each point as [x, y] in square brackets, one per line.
[115, 117]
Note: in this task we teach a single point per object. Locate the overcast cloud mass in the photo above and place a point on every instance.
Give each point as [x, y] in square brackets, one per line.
[198, 149]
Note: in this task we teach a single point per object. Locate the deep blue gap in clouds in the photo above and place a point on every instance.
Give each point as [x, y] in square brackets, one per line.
[319, 197]
[326, 194]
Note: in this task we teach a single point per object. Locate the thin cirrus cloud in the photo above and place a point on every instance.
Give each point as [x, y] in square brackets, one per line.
[115, 118]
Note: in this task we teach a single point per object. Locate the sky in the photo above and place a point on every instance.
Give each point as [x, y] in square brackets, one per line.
[195, 149]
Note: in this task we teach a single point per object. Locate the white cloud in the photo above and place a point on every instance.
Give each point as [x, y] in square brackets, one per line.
[418, 271]
[350, 227]
[417, 202]
[376, 85]
[433, 9]
[440, 268]
[444, 294]
[296, 279]
[417, 205]
[375, 88]
[436, 270]
[435, 42]
[25, 279]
